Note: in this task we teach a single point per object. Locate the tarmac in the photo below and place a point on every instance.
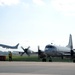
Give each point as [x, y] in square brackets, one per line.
[37, 68]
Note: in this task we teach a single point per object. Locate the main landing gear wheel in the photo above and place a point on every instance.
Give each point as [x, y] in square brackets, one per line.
[62, 57]
[43, 60]
[73, 59]
[50, 60]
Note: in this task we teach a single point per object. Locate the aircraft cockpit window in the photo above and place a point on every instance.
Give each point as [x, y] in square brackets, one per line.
[49, 46]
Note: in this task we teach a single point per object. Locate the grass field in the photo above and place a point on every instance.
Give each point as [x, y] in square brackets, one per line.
[35, 59]
[23, 58]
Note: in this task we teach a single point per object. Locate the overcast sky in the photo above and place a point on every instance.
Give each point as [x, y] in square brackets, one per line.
[36, 22]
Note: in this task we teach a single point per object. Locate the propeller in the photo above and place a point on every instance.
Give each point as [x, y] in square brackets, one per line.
[72, 53]
[21, 53]
[41, 54]
[25, 51]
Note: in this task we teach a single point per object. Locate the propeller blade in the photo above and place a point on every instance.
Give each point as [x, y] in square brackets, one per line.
[28, 47]
[26, 50]
[39, 51]
[21, 53]
[72, 53]
[22, 48]
[41, 54]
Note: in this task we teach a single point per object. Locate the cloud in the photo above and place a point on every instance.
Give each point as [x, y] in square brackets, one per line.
[65, 6]
[9, 2]
[39, 2]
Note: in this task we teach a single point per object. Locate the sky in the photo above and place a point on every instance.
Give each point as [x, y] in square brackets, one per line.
[36, 22]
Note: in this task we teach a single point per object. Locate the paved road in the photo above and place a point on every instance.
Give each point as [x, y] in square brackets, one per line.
[37, 68]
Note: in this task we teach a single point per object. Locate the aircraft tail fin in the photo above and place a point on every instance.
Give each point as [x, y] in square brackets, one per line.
[70, 44]
[17, 45]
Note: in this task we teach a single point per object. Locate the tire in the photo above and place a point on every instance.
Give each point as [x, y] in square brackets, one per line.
[50, 60]
[74, 60]
[62, 57]
[43, 60]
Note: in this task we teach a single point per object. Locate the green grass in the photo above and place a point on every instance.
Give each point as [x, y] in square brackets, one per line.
[23, 58]
[58, 59]
[35, 59]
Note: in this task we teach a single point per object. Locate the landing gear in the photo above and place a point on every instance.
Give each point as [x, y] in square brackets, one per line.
[74, 60]
[44, 60]
[62, 57]
[50, 59]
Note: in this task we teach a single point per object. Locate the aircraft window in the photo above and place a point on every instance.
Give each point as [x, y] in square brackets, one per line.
[46, 48]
